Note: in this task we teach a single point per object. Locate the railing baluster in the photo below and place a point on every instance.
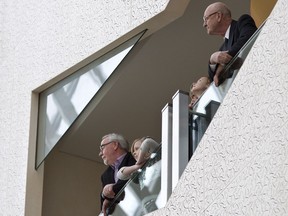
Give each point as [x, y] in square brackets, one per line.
[180, 135]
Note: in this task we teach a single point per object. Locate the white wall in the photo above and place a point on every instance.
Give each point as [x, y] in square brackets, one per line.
[242, 170]
[39, 40]
[241, 165]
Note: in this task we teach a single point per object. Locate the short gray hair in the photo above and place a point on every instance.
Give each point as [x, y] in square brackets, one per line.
[118, 138]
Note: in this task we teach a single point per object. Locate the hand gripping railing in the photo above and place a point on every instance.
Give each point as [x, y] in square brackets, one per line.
[140, 194]
[205, 108]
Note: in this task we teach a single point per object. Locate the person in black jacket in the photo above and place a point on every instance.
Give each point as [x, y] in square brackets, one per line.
[217, 21]
[114, 150]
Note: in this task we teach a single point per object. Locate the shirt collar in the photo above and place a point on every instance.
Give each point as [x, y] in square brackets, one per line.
[227, 32]
[118, 162]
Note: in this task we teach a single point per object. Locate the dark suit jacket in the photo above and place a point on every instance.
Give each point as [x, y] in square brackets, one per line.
[108, 176]
[240, 32]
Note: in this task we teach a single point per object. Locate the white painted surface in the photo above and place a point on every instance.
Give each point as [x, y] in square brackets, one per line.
[39, 40]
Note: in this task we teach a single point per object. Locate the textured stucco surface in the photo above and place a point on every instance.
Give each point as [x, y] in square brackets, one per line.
[240, 169]
[241, 165]
[38, 41]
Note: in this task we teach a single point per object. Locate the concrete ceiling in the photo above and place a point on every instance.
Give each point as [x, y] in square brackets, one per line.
[131, 100]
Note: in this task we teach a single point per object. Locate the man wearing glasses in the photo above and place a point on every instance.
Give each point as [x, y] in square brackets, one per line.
[114, 150]
[217, 21]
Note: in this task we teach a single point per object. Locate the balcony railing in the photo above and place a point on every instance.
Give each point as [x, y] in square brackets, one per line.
[205, 108]
[150, 188]
[142, 192]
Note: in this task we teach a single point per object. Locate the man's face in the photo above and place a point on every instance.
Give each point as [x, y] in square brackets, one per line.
[107, 151]
[210, 20]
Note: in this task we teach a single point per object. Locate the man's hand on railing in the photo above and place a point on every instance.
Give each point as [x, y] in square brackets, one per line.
[109, 204]
[216, 78]
[105, 206]
[108, 191]
[220, 57]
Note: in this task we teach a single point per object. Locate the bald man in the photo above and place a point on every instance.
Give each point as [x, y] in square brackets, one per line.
[218, 21]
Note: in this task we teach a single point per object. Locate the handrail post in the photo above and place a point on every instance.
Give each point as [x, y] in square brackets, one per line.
[180, 135]
[166, 154]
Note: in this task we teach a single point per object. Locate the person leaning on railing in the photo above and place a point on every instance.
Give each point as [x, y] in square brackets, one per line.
[218, 21]
[114, 151]
[197, 89]
[141, 150]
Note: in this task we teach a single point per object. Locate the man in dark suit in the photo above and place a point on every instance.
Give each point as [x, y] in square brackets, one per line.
[218, 21]
[114, 150]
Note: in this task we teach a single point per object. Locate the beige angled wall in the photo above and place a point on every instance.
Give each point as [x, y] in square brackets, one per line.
[260, 10]
[71, 185]
[241, 165]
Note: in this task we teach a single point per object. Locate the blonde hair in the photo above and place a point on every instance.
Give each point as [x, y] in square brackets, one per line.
[136, 140]
[191, 86]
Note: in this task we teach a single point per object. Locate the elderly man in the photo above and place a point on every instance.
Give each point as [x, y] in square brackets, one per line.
[114, 150]
[218, 21]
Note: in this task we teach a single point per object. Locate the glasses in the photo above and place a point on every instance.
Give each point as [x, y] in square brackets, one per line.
[103, 145]
[205, 18]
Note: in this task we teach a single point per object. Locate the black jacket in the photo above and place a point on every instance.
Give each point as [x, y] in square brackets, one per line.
[108, 176]
[240, 32]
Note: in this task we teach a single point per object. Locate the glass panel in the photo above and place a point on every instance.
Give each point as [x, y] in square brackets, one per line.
[205, 108]
[62, 103]
[142, 190]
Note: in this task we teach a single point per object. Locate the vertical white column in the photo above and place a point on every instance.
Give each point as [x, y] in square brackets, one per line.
[180, 135]
[166, 153]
